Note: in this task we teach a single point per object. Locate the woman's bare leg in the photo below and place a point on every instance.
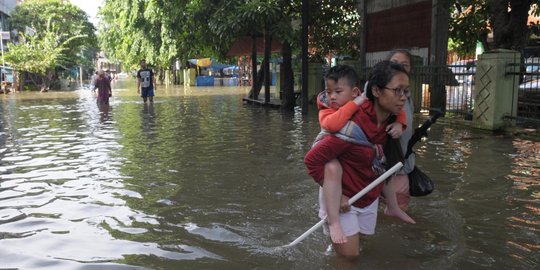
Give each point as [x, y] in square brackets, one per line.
[349, 250]
[392, 207]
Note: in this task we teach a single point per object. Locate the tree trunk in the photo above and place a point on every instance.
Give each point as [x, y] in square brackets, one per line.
[266, 62]
[509, 22]
[304, 42]
[42, 82]
[438, 53]
[16, 84]
[175, 75]
[254, 93]
[257, 83]
[161, 76]
[510, 29]
[287, 78]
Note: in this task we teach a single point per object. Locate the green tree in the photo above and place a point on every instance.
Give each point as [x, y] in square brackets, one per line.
[131, 30]
[468, 22]
[165, 31]
[258, 19]
[53, 36]
[40, 56]
[334, 28]
[62, 18]
[474, 19]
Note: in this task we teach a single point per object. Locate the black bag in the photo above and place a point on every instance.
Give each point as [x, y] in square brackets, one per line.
[393, 152]
[419, 183]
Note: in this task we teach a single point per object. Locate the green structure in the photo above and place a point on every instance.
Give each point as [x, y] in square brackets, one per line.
[190, 76]
[315, 80]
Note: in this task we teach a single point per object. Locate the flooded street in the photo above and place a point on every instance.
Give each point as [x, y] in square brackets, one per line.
[199, 180]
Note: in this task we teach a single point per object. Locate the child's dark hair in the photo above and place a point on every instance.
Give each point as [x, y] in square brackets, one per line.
[381, 74]
[343, 71]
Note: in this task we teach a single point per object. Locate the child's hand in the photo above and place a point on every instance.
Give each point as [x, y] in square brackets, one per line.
[395, 130]
[359, 100]
[344, 206]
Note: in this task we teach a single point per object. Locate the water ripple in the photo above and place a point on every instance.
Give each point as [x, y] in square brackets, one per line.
[198, 180]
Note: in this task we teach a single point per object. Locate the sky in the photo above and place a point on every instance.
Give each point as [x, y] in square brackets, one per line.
[90, 7]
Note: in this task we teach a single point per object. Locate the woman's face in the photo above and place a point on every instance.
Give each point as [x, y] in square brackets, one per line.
[391, 98]
[402, 59]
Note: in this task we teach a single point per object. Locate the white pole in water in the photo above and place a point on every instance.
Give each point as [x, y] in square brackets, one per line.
[2, 45]
[80, 75]
[358, 195]
[3, 35]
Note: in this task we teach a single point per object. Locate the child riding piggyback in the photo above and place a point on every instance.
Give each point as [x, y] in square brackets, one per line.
[337, 104]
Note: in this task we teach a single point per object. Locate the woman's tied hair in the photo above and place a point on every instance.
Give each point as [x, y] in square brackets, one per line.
[342, 71]
[381, 74]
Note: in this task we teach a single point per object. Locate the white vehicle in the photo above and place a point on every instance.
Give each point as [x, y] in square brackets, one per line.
[530, 87]
[464, 70]
[532, 69]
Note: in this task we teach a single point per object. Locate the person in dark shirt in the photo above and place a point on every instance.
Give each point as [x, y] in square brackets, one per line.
[146, 82]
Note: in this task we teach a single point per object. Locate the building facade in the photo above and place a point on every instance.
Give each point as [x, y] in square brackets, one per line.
[6, 6]
[6, 75]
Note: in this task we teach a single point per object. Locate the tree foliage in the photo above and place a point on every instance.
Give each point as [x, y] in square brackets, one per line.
[162, 31]
[46, 17]
[39, 54]
[507, 19]
[469, 22]
[131, 30]
[334, 27]
[224, 23]
[51, 35]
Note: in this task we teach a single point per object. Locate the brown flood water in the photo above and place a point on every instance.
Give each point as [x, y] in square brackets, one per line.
[199, 180]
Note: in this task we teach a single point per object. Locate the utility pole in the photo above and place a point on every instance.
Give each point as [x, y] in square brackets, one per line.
[362, 10]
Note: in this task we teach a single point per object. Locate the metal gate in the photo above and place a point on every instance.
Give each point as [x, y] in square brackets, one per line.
[528, 111]
[458, 81]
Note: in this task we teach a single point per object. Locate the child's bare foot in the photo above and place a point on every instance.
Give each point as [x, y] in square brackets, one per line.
[397, 212]
[336, 234]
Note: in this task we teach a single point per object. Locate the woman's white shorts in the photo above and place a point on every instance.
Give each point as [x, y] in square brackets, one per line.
[358, 220]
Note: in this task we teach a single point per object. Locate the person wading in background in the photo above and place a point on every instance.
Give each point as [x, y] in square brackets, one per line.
[146, 82]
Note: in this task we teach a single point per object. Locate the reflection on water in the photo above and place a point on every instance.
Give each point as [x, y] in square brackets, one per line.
[198, 180]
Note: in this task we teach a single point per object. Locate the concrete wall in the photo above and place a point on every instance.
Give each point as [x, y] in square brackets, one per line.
[395, 24]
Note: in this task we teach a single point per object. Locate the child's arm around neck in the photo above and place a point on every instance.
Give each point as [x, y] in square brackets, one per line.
[333, 120]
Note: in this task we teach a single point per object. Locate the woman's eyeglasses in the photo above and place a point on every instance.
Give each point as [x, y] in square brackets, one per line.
[399, 91]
